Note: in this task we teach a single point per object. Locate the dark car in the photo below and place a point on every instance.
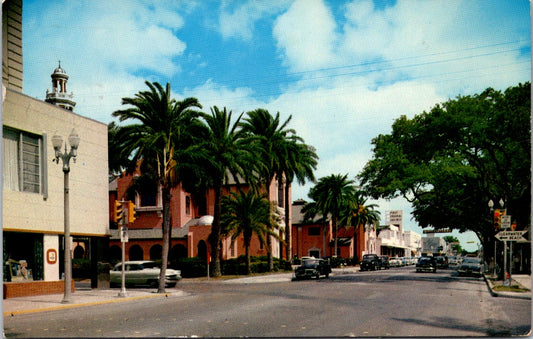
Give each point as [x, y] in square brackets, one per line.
[312, 267]
[370, 262]
[426, 264]
[471, 266]
[385, 262]
[442, 261]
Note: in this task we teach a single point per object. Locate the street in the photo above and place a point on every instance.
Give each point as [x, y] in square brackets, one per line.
[395, 302]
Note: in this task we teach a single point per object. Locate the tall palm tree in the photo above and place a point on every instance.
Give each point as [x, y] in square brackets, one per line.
[247, 214]
[299, 163]
[227, 151]
[274, 137]
[163, 138]
[331, 194]
[357, 212]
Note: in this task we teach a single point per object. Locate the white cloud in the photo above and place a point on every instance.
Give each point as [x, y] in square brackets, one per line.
[306, 36]
[237, 19]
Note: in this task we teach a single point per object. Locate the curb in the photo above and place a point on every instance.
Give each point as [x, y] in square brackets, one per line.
[91, 303]
[516, 295]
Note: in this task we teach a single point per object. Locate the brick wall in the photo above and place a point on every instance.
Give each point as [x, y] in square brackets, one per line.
[28, 288]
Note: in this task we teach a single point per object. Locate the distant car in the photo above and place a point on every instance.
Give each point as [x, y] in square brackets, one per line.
[312, 267]
[395, 262]
[442, 261]
[426, 264]
[453, 262]
[471, 266]
[142, 272]
[384, 262]
[370, 262]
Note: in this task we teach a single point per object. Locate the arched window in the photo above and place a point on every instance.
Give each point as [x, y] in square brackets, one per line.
[156, 252]
[136, 253]
[202, 249]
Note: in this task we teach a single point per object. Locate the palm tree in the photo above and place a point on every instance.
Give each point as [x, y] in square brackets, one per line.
[299, 164]
[162, 139]
[227, 151]
[247, 214]
[357, 213]
[273, 136]
[331, 194]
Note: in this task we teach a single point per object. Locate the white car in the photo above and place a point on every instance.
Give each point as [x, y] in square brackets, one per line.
[395, 262]
[142, 272]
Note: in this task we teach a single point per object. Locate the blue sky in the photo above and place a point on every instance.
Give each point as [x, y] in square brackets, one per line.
[344, 70]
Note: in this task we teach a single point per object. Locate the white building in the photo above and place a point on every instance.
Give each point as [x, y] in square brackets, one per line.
[33, 185]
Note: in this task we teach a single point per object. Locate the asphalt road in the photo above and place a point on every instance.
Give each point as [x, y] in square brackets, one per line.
[395, 302]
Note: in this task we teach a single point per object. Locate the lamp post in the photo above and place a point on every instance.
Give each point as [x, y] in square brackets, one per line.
[57, 142]
[491, 207]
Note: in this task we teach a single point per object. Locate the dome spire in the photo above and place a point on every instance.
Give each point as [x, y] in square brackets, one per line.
[59, 95]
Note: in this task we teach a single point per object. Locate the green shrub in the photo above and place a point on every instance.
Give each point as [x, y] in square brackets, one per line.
[190, 267]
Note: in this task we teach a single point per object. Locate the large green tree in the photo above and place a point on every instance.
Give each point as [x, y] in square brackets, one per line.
[449, 162]
[247, 214]
[228, 154]
[300, 162]
[162, 139]
[274, 138]
[330, 196]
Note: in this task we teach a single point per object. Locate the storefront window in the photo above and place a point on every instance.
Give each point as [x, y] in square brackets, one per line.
[23, 257]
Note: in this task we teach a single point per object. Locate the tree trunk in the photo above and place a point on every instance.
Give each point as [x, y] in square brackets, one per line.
[215, 234]
[335, 240]
[247, 251]
[166, 238]
[288, 226]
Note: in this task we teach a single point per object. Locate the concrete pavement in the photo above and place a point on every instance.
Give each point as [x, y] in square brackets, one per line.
[85, 296]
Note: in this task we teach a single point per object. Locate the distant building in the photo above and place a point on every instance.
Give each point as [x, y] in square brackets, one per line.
[433, 244]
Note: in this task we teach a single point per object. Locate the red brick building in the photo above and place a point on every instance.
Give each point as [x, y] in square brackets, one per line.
[191, 218]
[317, 239]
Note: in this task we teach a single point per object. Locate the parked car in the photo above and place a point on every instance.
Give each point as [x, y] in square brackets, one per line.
[142, 273]
[312, 267]
[370, 262]
[428, 264]
[453, 262]
[395, 262]
[384, 262]
[442, 261]
[471, 266]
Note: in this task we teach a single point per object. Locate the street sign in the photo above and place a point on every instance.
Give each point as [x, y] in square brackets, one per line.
[510, 235]
[124, 234]
[506, 221]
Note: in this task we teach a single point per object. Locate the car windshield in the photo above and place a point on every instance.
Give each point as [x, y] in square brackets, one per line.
[425, 259]
[368, 257]
[310, 263]
[150, 265]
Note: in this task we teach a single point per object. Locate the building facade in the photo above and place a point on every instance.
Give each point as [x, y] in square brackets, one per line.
[33, 185]
[191, 221]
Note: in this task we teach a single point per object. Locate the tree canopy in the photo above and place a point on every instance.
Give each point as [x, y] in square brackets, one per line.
[449, 162]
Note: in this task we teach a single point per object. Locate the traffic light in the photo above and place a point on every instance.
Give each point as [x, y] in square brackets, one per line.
[498, 218]
[131, 212]
[117, 212]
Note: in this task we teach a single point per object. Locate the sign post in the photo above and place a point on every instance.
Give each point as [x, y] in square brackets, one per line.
[123, 241]
[508, 236]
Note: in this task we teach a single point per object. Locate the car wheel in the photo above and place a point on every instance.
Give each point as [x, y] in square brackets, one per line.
[153, 283]
[327, 275]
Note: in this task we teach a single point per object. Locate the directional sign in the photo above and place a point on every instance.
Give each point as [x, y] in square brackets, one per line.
[510, 235]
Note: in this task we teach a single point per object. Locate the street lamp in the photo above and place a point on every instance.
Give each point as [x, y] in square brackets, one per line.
[57, 142]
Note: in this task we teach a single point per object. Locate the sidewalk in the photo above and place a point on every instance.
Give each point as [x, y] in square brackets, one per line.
[81, 297]
[523, 280]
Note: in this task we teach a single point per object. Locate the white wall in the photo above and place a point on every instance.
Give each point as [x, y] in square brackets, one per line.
[89, 201]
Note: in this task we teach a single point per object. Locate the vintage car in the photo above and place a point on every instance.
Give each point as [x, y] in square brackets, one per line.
[142, 273]
[426, 264]
[370, 262]
[385, 262]
[442, 261]
[312, 267]
[471, 266]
